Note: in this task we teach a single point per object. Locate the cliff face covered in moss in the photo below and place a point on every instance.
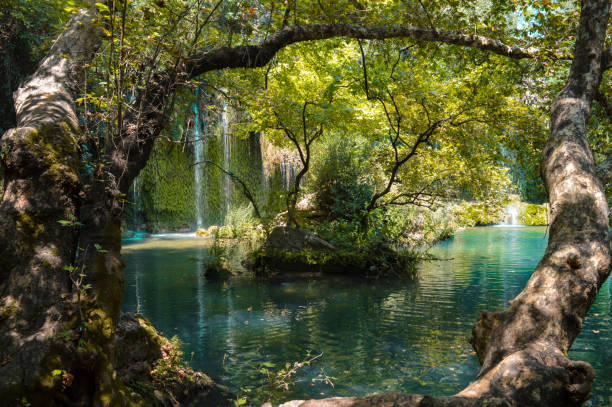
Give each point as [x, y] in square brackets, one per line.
[181, 190]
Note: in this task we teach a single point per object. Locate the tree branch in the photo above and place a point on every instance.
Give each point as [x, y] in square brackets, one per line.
[253, 56]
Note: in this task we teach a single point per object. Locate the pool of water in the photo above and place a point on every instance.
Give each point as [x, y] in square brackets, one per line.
[372, 336]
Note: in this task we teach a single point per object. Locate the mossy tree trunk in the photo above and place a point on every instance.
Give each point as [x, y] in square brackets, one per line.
[56, 341]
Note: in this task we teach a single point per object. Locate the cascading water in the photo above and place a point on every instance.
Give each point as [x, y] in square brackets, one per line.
[226, 157]
[512, 213]
[198, 157]
[287, 169]
[136, 221]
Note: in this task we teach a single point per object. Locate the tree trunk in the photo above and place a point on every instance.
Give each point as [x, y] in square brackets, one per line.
[523, 350]
[56, 341]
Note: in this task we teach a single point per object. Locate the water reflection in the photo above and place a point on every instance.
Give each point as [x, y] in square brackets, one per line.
[374, 336]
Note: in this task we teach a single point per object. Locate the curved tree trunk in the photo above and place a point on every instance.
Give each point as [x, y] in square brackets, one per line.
[523, 350]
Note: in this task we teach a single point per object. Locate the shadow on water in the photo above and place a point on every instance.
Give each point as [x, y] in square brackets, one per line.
[374, 336]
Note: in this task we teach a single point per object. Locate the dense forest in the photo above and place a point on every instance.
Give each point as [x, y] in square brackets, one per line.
[312, 140]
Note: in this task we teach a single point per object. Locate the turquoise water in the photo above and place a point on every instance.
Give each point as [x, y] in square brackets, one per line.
[373, 336]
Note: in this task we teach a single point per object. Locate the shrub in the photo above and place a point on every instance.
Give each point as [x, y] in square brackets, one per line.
[239, 219]
[533, 215]
[339, 179]
[478, 213]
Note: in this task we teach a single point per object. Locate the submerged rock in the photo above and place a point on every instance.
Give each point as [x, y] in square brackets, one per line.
[287, 238]
[151, 366]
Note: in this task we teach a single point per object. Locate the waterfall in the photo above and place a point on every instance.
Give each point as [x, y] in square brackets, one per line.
[198, 157]
[136, 221]
[287, 169]
[513, 213]
[226, 157]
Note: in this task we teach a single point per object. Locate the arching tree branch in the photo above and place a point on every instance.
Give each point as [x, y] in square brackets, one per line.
[253, 56]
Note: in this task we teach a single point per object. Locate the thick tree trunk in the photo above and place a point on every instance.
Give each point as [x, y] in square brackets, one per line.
[55, 342]
[523, 350]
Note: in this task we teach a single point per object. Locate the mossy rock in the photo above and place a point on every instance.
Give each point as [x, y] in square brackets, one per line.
[152, 365]
[533, 215]
[202, 233]
[218, 271]
[377, 262]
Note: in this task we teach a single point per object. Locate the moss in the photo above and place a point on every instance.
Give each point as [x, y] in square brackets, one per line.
[56, 146]
[168, 378]
[167, 188]
[29, 227]
[202, 233]
[533, 215]
[8, 311]
[374, 263]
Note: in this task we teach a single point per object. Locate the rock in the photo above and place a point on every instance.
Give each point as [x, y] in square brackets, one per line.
[307, 203]
[150, 365]
[280, 219]
[287, 238]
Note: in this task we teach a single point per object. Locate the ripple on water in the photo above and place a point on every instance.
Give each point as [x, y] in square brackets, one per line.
[374, 336]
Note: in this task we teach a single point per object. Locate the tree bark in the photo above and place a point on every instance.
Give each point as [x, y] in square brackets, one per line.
[56, 344]
[523, 349]
[253, 56]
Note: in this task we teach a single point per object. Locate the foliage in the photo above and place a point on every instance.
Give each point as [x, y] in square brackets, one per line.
[167, 188]
[226, 232]
[478, 213]
[275, 381]
[533, 215]
[164, 373]
[376, 262]
[216, 263]
[239, 218]
[338, 179]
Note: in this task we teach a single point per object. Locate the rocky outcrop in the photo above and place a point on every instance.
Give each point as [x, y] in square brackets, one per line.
[152, 367]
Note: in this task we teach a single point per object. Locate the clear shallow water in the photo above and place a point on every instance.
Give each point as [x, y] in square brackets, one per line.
[374, 336]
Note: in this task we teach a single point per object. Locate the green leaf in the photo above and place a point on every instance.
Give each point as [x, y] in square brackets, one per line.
[102, 7]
